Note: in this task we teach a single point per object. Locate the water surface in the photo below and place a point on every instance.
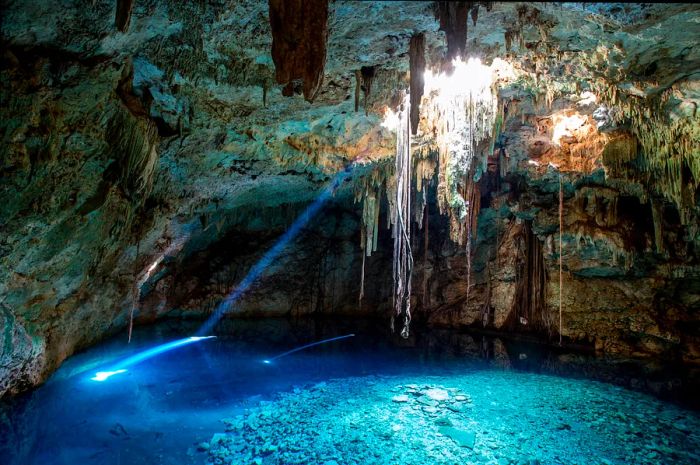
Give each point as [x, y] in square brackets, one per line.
[164, 409]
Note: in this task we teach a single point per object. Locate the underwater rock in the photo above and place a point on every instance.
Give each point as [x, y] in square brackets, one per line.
[372, 430]
[437, 394]
[427, 401]
[461, 437]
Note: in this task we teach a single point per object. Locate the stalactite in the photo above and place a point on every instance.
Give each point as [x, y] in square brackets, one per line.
[367, 73]
[133, 142]
[416, 53]
[657, 217]
[453, 22]
[618, 152]
[368, 192]
[463, 119]
[401, 218]
[370, 220]
[122, 17]
[299, 40]
[424, 165]
[669, 156]
[497, 126]
[358, 88]
[529, 311]
[508, 38]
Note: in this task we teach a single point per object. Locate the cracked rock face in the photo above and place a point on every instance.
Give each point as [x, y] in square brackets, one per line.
[163, 137]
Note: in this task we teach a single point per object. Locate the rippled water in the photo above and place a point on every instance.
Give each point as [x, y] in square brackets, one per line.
[526, 403]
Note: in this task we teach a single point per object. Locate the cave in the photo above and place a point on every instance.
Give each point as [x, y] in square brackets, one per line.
[294, 232]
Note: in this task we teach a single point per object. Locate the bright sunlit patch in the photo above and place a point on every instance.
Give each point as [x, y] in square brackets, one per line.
[567, 126]
[461, 108]
[153, 266]
[587, 98]
[391, 119]
[470, 77]
[145, 355]
[103, 375]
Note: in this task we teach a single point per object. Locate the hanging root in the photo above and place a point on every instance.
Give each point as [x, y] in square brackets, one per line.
[362, 278]
[486, 307]
[473, 207]
[403, 259]
[561, 229]
[426, 295]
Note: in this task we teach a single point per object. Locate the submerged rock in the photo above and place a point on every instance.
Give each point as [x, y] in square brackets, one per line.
[461, 437]
[436, 394]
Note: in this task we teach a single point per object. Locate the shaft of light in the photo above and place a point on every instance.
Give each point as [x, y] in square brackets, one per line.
[145, 355]
[271, 254]
[284, 354]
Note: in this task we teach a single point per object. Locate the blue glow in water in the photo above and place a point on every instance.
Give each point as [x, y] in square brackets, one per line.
[271, 254]
[145, 355]
[325, 341]
[156, 410]
[243, 286]
[103, 375]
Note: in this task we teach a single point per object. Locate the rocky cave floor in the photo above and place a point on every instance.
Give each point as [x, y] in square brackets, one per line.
[480, 417]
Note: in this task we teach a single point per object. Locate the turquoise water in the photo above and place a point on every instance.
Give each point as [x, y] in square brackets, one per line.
[443, 398]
